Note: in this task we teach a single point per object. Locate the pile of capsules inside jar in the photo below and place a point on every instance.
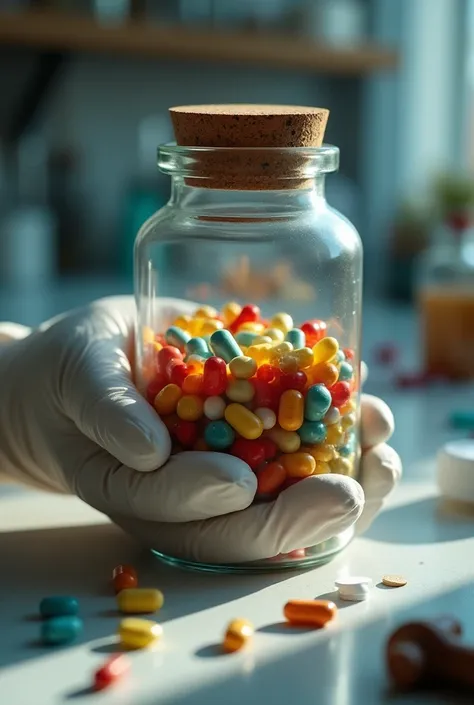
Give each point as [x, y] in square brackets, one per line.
[281, 398]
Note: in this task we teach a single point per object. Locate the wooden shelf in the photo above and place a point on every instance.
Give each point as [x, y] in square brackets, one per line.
[66, 33]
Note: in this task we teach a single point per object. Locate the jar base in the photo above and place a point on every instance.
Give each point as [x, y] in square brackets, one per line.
[315, 556]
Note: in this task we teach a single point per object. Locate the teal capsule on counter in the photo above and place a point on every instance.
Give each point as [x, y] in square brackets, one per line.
[312, 432]
[60, 630]
[177, 337]
[58, 606]
[297, 338]
[224, 345]
[197, 346]
[318, 401]
[462, 420]
[345, 371]
[219, 435]
[246, 337]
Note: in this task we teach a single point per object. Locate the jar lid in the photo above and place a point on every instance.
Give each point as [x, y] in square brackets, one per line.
[456, 470]
[247, 147]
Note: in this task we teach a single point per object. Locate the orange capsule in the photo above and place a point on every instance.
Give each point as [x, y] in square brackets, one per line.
[323, 373]
[123, 568]
[310, 613]
[270, 478]
[113, 669]
[123, 577]
[166, 401]
[238, 633]
[291, 410]
[192, 384]
[298, 464]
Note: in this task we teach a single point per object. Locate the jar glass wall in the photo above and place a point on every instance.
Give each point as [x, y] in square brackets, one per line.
[280, 248]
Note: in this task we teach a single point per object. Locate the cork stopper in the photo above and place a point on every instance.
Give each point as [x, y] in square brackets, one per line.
[262, 134]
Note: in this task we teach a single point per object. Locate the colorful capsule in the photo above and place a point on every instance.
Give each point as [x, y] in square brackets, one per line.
[214, 408]
[298, 464]
[318, 401]
[314, 331]
[270, 477]
[252, 452]
[278, 351]
[274, 334]
[304, 357]
[263, 339]
[348, 421]
[186, 432]
[286, 441]
[243, 421]
[197, 346]
[311, 613]
[237, 635]
[224, 345]
[296, 337]
[347, 408]
[334, 435]
[243, 367]
[260, 353]
[59, 606]
[288, 364]
[322, 468]
[345, 371]
[140, 600]
[177, 371]
[196, 363]
[205, 311]
[177, 337]
[323, 373]
[268, 373]
[254, 327]
[115, 668]
[192, 384]
[190, 407]
[325, 350]
[267, 417]
[270, 448]
[163, 357]
[333, 415]
[246, 337]
[340, 357]
[124, 576]
[240, 390]
[341, 466]
[61, 630]
[283, 321]
[219, 435]
[294, 380]
[167, 400]
[230, 311]
[214, 380]
[248, 314]
[136, 633]
[312, 432]
[322, 453]
[183, 321]
[340, 393]
[291, 410]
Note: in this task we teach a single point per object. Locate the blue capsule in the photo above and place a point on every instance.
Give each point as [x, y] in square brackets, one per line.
[340, 357]
[197, 346]
[60, 630]
[318, 401]
[312, 432]
[345, 371]
[59, 606]
[224, 345]
[219, 435]
[177, 337]
[246, 337]
[297, 338]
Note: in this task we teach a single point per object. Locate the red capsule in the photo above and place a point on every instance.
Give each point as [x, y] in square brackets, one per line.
[124, 576]
[163, 356]
[177, 371]
[155, 386]
[349, 353]
[214, 380]
[340, 393]
[293, 380]
[271, 448]
[268, 373]
[270, 478]
[112, 670]
[314, 330]
[249, 314]
[186, 432]
[251, 452]
[267, 395]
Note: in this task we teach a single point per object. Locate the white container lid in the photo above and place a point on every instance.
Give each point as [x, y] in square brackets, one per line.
[456, 470]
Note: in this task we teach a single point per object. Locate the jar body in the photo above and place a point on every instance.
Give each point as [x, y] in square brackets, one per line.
[282, 251]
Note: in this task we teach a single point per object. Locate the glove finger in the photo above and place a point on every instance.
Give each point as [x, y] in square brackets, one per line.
[381, 469]
[13, 331]
[305, 514]
[190, 486]
[377, 422]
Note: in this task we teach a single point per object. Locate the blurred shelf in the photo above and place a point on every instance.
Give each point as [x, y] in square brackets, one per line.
[53, 31]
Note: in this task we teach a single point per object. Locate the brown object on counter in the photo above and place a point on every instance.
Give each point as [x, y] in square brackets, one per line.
[429, 654]
[249, 145]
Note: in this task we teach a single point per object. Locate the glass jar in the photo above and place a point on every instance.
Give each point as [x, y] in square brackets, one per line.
[272, 245]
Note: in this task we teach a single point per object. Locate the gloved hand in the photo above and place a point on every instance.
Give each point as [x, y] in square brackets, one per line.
[71, 420]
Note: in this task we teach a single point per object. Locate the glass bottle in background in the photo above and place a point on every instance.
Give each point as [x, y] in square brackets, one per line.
[445, 285]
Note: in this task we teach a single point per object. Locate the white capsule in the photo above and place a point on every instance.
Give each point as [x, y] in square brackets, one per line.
[333, 416]
[266, 416]
[214, 408]
[354, 588]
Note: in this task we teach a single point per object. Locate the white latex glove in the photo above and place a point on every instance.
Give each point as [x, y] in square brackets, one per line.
[71, 420]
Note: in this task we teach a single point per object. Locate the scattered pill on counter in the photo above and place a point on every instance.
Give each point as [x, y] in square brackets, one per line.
[237, 635]
[60, 630]
[113, 670]
[137, 633]
[354, 589]
[140, 600]
[123, 577]
[394, 580]
[310, 613]
[59, 606]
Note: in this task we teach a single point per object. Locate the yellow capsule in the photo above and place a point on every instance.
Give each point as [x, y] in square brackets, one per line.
[240, 390]
[210, 325]
[243, 421]
[348, 421]
[321, 468]
[323, 373]
[348, 407]
[275, 334]
[253, 327]
[259, 353]
[278, 351]
[136, 633]
[335, 435]
[237, 635]
[148, 335]
[262, 339]
[298, 464]
[341, 466]
[283, 321]
[286, 441]
[205, 312]
[230, 311]
[167, 399]
[157, 346]
[325, 350]
[304, 357]
[183, 321]
[291, 410]
[196, 363]
[243, 367]
[140, 600]
[190, 407]
[288, 364]
[323, 452]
